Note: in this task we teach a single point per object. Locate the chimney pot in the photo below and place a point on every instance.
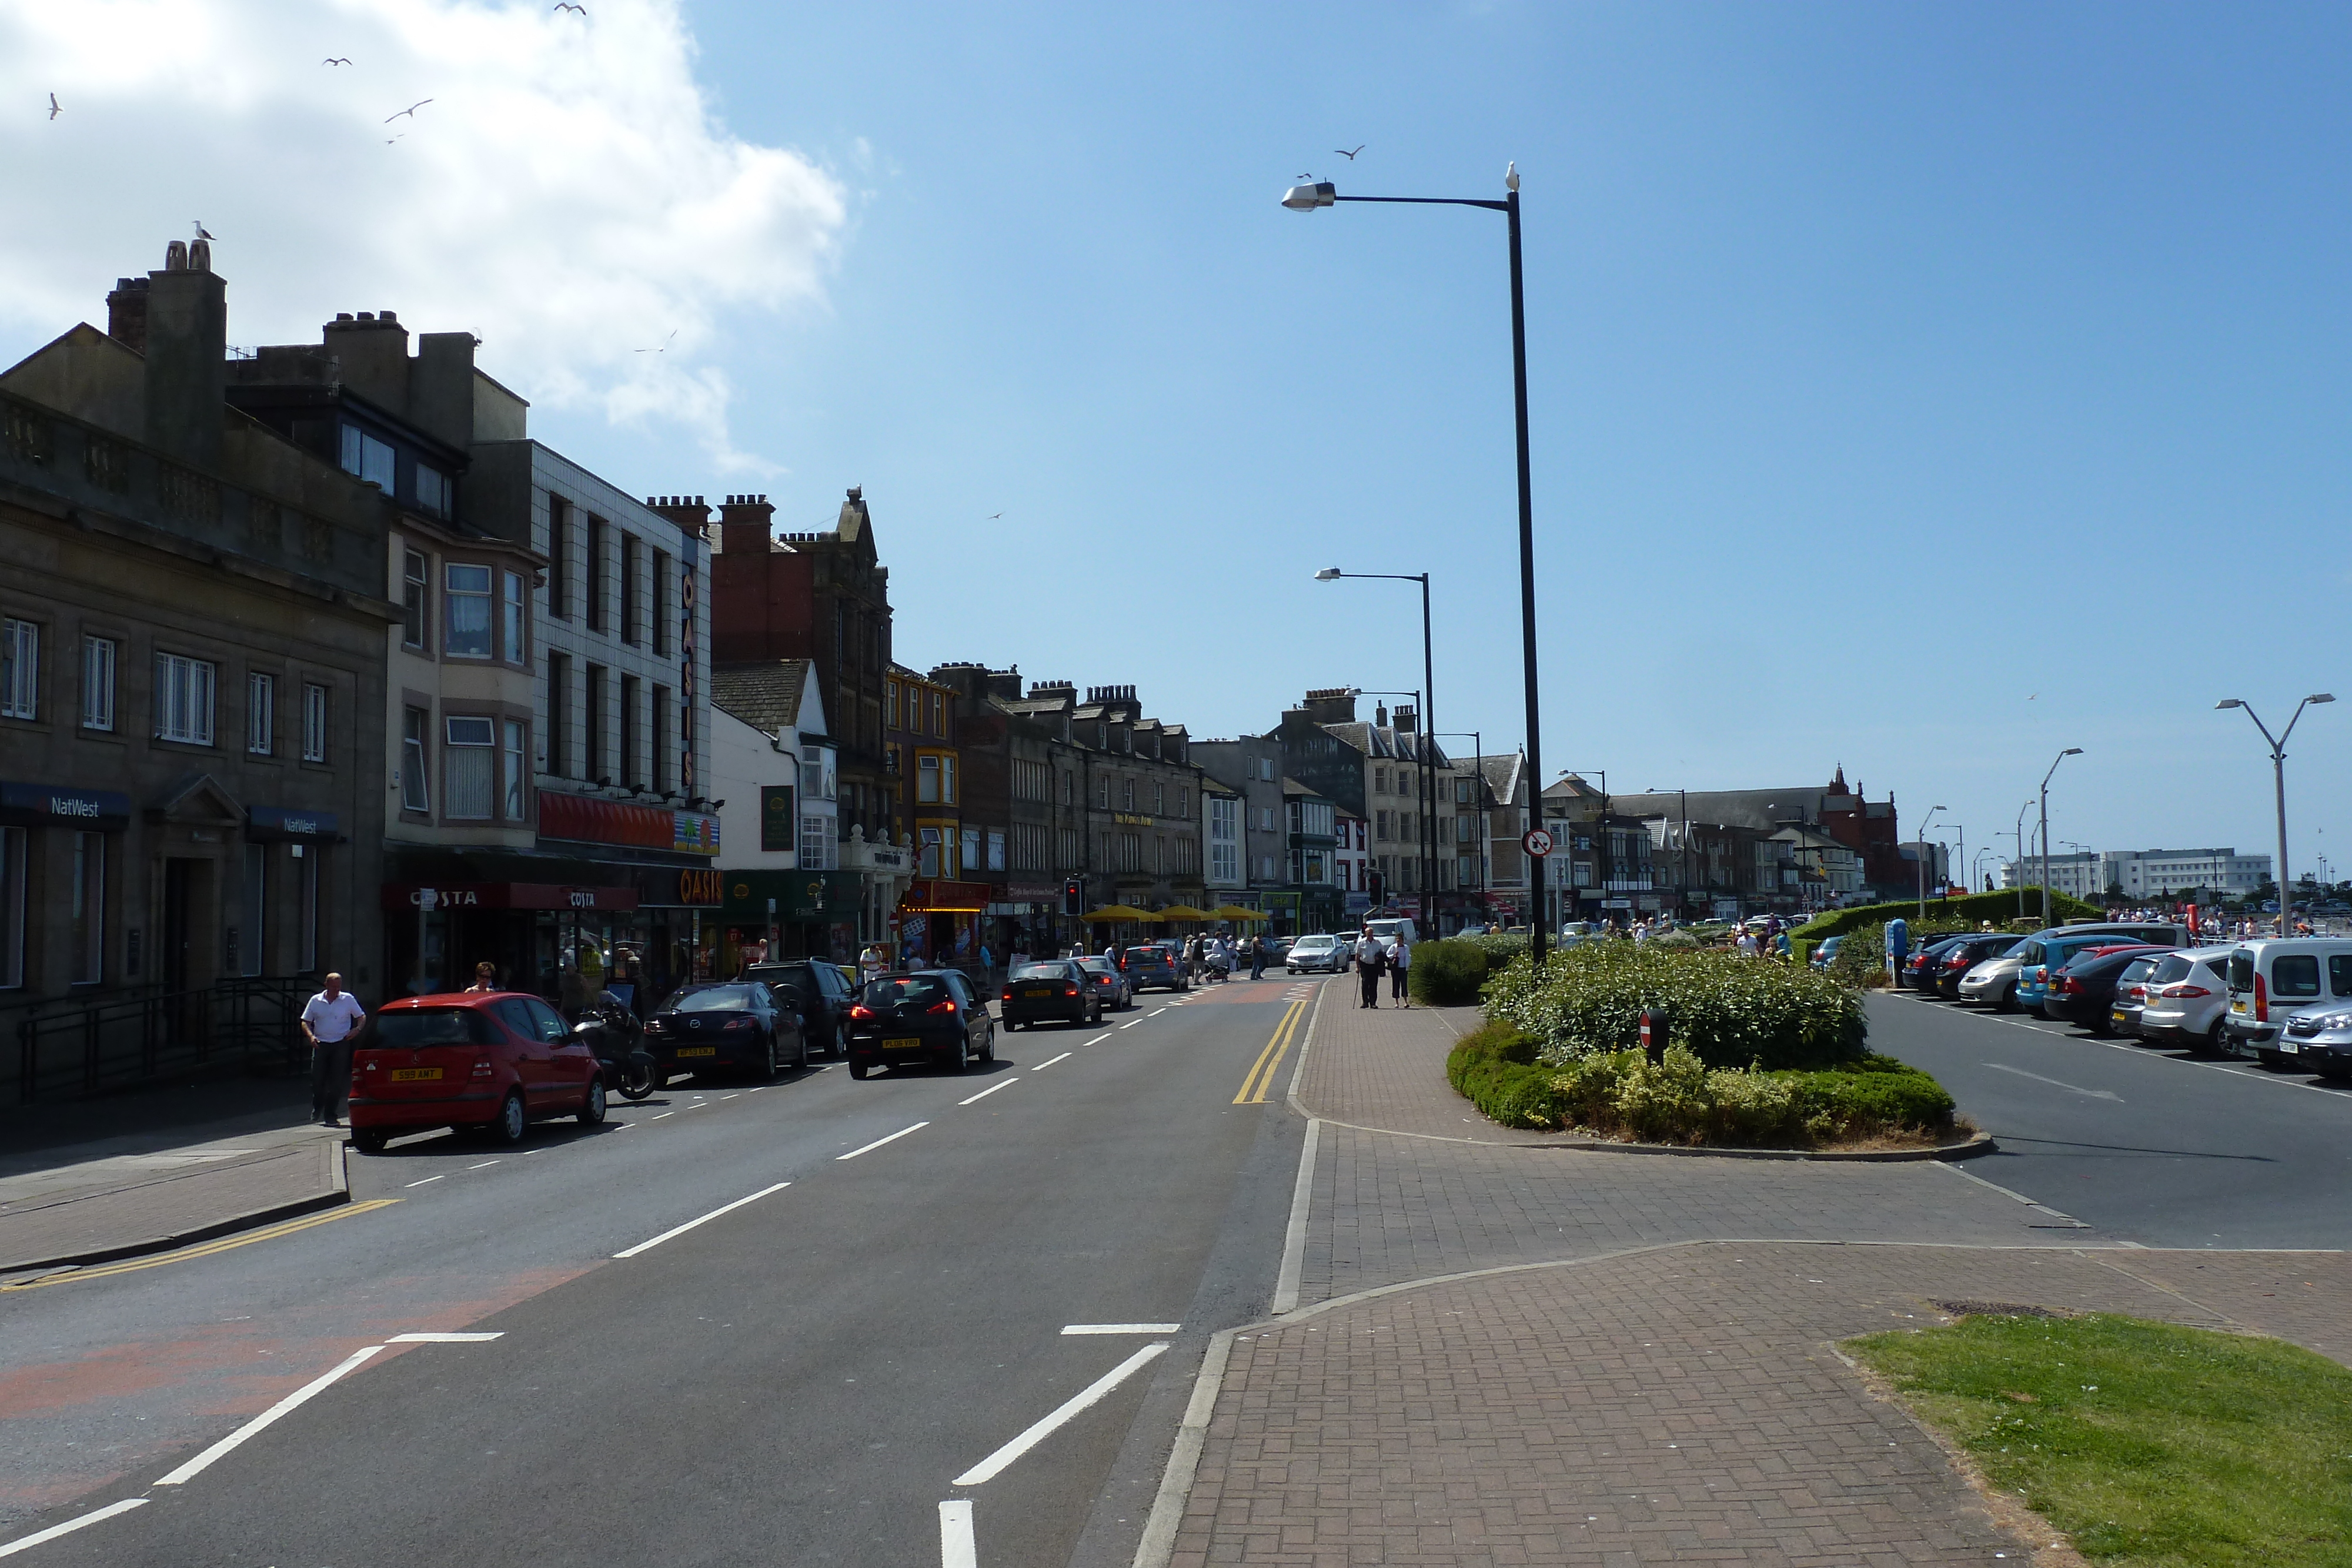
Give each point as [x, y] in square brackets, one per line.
[343, 315]
[200, 256]
[385, 316]
[175, 256]
[367, 315]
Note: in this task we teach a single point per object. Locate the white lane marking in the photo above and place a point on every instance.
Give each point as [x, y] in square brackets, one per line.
[734, 1096]
[446, 1338]
[1294, 1236]
[1097, 1040]
[991, 1090]
[421, 1183]
[989, 1469]
[1157, 1011]
[108, 1511]
[957, 1548]
[1121, 1328]
[682, 1230]
[2055, 1084]
[1049, 1062]
[285, 1407]
[483, 1166]
[880, 1142]
[1131, 1025]
[665, 1114]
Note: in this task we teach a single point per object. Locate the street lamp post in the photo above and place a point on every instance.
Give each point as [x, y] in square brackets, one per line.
[2020, 836]
[2070, 751]
[1305, 199]
[1923, 821]
[2278, 779]
[1427, 700]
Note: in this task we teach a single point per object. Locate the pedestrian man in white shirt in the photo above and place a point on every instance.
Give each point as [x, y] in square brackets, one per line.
[1371, 957]
[329, 1021]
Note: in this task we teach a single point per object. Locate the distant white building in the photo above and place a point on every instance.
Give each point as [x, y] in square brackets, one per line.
[2145, 873]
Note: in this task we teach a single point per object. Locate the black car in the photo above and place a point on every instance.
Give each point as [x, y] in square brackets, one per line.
[1919, 970]
[1959, 958]
[931, 1015]
[820, 993]
[1154, 965]
[1050, 990]
[2083, 992]
[725, 1024]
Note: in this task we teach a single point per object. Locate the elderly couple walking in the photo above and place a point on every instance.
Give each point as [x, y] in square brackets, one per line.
[1371, 958]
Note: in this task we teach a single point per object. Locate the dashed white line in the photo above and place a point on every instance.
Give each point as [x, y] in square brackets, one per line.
[1157, 1011]
[484, 1338]
[1097, 1040]
[682, 1230]
[989, 1469]
[1121, 1328]
[880, 1142]
[956, 1548]
[426, 1179]
[1131, 1025]
[738, 1095]
[2057, 1083]
[665, 1114]
[108, 1511]
[1049, 1062]
[992, 1089]
[285, 1407]
[483, 1166]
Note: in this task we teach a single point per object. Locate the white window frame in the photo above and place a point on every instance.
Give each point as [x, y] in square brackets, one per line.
[465, 604]
[817, 843]
[184, 689]
[511, 623]
[20, 668]
[517, 766]
[314, 721]
[415, 781]
[260, 713]
[469, 764]
[98, 660]
[415, 599]
[927, 781]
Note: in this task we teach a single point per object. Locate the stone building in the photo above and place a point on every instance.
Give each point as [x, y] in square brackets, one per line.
[194, 619]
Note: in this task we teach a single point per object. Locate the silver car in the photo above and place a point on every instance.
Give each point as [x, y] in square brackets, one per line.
[2188, 996]
[1992, 984]
[2320, 1041]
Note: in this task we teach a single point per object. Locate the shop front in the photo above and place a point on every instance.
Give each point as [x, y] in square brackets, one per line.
[786, 915]
[1022, 919]
[564, 941]
[938, 922]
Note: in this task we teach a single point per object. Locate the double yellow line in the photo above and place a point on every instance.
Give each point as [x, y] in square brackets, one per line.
[206, 1249]
[1260, 1073]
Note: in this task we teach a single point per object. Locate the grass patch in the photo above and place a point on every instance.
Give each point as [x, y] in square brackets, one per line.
[2151, 1446]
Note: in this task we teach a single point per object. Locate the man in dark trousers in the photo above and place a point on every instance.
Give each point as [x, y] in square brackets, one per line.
[328, 1020]
[1370, 960]
[1257, 958]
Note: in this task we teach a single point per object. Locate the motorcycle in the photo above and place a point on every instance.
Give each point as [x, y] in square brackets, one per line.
[614, 1033]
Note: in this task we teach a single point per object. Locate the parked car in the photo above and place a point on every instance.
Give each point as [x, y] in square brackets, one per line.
[1277, 949]
[2083, 992]
[822, 992]
[1155, 964]
[2188, 996]
[2273, 980]
[1313, 954]
[1920, 968]
[1050, 991]
[1110, 984]
[1826, 951]
[932, 1015]
[2044, 954]
[496, 1061]
[2321, 1040]
[1993, 982]
[723, 1024]
[2131, 993]
[1966, 955]
[1388, 929]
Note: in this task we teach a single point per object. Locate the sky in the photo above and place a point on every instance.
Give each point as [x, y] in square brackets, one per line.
[1918, 389]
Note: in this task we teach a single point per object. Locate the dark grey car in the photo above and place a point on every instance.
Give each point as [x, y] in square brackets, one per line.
[822, 996]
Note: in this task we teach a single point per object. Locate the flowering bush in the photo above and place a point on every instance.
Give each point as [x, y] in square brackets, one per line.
[1729, 1011]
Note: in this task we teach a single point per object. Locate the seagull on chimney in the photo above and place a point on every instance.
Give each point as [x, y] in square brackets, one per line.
[54, 111]
[202, 233]
[410, 110]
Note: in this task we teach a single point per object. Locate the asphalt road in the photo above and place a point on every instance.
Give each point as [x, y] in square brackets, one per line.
[802, 1378]
[2162, 1148]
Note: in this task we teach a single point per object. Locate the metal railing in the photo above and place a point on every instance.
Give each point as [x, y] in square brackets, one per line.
[71, 1049]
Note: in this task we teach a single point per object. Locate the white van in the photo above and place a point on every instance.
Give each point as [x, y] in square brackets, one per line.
[2271, 980]
[1388, 931]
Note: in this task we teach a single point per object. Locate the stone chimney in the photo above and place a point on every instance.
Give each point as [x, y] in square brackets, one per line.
[746, 524]
[372, 348]
[1331, 704]
[1408, 722]
[686, 511]
[441, 387]
[187, 330]
[126, 313]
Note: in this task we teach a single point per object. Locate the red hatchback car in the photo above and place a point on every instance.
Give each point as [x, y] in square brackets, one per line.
[498, 1060]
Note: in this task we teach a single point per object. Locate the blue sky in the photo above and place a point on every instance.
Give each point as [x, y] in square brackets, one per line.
[1922, 390]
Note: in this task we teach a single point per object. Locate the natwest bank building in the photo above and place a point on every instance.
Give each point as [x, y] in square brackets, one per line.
[613, 895]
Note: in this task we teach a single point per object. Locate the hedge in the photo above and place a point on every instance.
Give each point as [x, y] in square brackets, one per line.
[1448, 973]
[1731, 1011]
[1622, 1094]
[1965, 913]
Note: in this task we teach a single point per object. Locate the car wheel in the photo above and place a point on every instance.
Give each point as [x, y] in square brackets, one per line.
[800, 1049]
[369, 1140]
[840, 1048]
[593, 1107]
[2007, 1001]
[857, 1068]
[512, 1121]
[988, 1050]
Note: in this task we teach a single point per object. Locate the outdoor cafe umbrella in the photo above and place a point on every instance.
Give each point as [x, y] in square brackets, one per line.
[1235, 911]
[1183, 912]
[1120, 912]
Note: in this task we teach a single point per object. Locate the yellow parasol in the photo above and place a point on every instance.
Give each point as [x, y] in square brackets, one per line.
[1119, 912]
[1235, 911]
[1183, 912]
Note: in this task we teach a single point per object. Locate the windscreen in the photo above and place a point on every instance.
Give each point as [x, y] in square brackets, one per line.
[899, 988]
[438, 1026]
[1042, 972]
[2137, 970]
[713, 999]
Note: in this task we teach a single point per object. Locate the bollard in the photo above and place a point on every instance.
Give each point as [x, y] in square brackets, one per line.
[1653, 1034]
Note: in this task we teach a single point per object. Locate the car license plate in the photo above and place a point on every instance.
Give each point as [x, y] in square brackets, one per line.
[698, 1051]
[1038, 991]
[2289, 1048]
[2119, 1016]
[414, 1074]
[902, 1044]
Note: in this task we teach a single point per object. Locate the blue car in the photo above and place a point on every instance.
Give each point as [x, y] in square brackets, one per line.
[2042, 956]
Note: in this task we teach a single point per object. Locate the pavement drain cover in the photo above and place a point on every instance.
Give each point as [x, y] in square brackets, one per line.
[1965, 1309]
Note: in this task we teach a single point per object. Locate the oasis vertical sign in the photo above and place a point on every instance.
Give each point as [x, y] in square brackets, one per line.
[685, 769]
[777, 829]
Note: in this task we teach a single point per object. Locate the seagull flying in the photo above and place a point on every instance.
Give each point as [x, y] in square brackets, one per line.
[1302, 176]
[410, 110]
[1350, 157]
[567, 5]
[336, 60]
[664, 347]
[54, 111]
[994, 516]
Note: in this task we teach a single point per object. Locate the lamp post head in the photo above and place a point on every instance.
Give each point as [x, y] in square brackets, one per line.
[1329, 573]
[2319, 697]
[2072, 751]
[2229, 702]
[1306, 198]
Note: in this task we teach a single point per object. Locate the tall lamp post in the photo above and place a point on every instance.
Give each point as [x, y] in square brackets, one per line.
[1305, 199]
[2278, 779]
[1428, 700]
[2020, 836]
[1923, 822]
[2070, 751]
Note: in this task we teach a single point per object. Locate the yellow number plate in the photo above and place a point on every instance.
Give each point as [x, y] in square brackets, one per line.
[1038, 991]
[902, 1045]
[698, 1051]
[414, 1074]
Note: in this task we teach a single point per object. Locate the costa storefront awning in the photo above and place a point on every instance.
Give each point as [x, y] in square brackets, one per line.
[935, 897]
[409, 897]
[582, 819]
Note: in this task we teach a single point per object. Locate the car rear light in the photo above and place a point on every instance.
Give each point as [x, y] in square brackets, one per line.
[2069, 985]
[2261, 999]
[739, 1023]
[482, 1068]
[1069, 990]
[861, 1011]
[2183, 992]
[940, 1008]
[1007, 996]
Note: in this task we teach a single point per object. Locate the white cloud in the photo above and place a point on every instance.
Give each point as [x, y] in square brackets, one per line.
[567, 195]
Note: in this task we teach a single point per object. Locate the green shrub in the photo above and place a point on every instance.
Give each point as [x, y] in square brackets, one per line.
[1448, 973]
[1861, 958]
[1499, 949]
[1494, 1068]
[1963, 914]
[1730, 1011]
[1681, 1100]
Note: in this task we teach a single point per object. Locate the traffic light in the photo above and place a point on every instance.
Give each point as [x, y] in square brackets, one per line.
[1073, 897]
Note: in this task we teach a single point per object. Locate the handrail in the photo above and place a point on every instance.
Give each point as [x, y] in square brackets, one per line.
[72, 1048]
